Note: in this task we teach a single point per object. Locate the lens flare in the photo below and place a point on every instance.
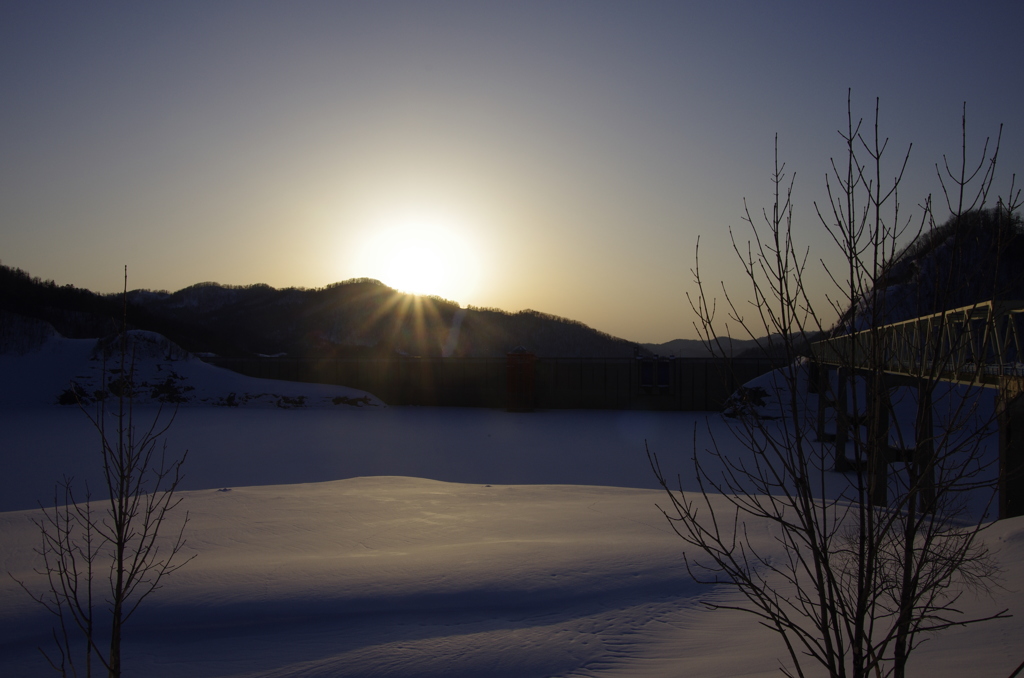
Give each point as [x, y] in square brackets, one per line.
[421, 255]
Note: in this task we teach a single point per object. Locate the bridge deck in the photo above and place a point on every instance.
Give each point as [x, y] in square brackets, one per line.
[980, 345]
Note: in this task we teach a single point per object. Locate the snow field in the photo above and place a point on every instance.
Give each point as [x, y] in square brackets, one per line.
[397, 576]
[337, 541]
[392, 576]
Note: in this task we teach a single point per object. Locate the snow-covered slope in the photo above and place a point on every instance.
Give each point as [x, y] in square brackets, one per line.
[396, 577]
[41, 367]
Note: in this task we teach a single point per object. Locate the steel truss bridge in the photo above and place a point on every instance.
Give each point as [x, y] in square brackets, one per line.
[981, 345]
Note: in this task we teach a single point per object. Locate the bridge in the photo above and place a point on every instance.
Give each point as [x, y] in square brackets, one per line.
[981, 346]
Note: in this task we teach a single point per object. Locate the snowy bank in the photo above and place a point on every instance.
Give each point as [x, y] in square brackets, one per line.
[39, 367]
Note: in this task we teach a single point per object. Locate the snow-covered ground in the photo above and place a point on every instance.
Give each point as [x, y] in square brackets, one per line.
[78, 369]
[336, 540]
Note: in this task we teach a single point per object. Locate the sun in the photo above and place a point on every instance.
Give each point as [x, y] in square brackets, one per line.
[418, 265]
[419, 254]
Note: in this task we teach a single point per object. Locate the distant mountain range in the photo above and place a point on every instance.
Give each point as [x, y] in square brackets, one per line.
[975, 258]
[698, 348]
[355, 318]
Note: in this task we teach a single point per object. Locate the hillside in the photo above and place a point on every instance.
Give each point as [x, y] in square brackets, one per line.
[970, 259]
[977, 257]
[360, 317]
[697, 348]
[966, 260]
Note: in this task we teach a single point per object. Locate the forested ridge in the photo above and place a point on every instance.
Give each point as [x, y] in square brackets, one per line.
[356, 318]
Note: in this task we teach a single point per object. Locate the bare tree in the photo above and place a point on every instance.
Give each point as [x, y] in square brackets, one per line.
[878, 548]
[102, 558]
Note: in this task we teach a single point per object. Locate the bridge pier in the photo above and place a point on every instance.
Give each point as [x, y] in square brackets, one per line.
[979, 345]
[837, 401]
[922, 470]
[878, 406]
[1010, 412]
[919, 461]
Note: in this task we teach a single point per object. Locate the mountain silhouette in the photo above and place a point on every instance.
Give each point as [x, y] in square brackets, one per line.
[355, 318]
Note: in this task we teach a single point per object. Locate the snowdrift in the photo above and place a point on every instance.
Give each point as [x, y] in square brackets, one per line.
[40, 367]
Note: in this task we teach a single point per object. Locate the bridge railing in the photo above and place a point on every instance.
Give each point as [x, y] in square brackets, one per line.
[976, 344]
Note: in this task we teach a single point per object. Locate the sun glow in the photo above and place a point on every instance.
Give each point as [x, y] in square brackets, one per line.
[421, 255]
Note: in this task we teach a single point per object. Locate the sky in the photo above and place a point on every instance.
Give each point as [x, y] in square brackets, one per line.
[559, 156]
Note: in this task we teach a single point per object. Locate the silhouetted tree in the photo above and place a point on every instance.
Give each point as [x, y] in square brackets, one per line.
[863, 577]
[102, 558]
